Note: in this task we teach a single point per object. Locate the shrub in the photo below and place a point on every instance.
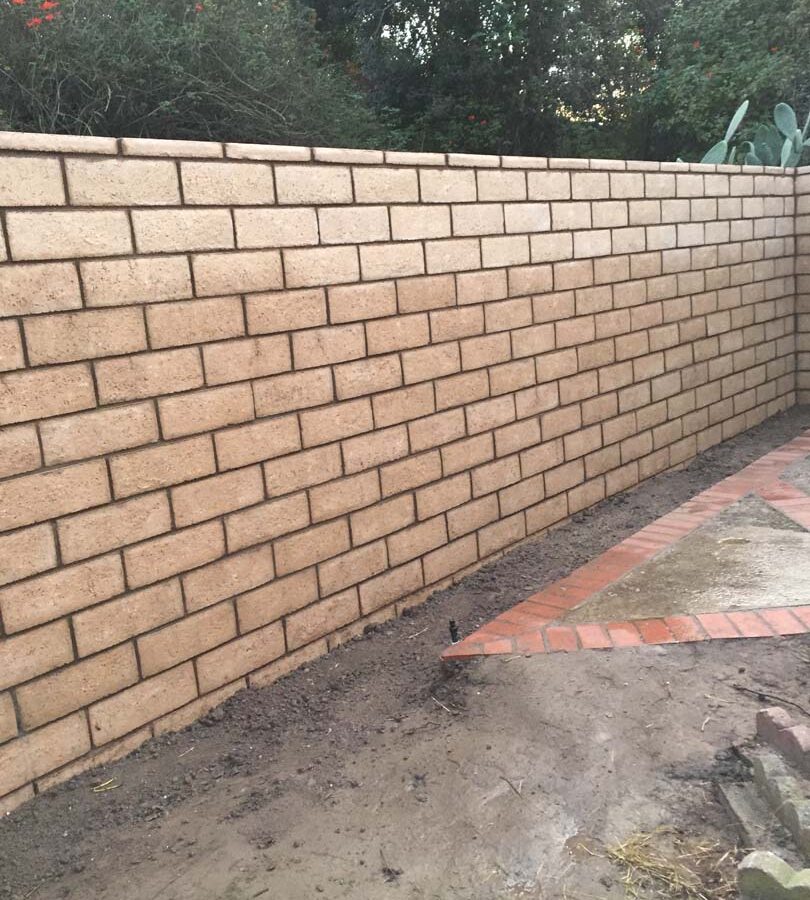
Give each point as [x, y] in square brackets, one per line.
[715, 53]
[242, 70]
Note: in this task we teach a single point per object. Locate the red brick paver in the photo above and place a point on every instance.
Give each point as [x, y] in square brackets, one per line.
[562, 638]
[593, 637]
[718, 625]
[654, 631]
[534, 626]
[782, 621]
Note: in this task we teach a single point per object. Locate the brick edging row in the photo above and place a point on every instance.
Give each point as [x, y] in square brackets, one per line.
[532, 626]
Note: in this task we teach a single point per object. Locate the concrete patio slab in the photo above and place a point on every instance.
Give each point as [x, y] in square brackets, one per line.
[749, 556]
[732, 562]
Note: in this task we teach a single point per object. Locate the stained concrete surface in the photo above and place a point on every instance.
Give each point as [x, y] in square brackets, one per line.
[750, 556]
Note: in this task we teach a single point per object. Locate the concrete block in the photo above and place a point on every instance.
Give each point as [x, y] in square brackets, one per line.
[763, 876]
[771, 721]
[752, 816]
[787, 795]
[776, 727]
[795, 744]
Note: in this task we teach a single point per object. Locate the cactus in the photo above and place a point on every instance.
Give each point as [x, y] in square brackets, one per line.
[780, 144]
[719, 153]
[767, 147]
[716, 154]
[795, 140]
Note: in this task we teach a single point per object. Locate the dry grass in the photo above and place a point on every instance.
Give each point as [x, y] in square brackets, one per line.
[663, 863]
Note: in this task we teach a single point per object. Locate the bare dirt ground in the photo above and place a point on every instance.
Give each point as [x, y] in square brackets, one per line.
[376, 772]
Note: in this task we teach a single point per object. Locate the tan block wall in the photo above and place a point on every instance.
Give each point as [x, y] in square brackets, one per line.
[255, 398]
[803, 284]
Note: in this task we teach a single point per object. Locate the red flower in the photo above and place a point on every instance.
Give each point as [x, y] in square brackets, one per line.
[774, 49]
[198, 7]
[483, 122]
[696, 45]
[471, 117]
[49, 17]
[33, 23]
[49, 4]
[18, 2]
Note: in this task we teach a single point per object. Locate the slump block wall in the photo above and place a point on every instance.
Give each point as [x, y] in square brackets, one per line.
[256, 398]
[803, 284]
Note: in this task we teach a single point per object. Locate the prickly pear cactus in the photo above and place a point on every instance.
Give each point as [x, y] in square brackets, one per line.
[780, 144]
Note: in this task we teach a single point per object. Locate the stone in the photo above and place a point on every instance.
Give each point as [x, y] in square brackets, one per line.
[751, 814]
[771, 721]
[787, 796]
[764, 876]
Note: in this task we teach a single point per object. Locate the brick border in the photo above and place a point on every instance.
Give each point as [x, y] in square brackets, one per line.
[532, 625]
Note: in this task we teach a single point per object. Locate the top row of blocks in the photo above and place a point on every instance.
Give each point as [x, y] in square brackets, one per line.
[35, 181]
[148, 147]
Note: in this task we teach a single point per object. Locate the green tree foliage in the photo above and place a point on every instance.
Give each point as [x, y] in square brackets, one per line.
[715, 54]
[243, 70]
[623, 78]
[508, 76]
